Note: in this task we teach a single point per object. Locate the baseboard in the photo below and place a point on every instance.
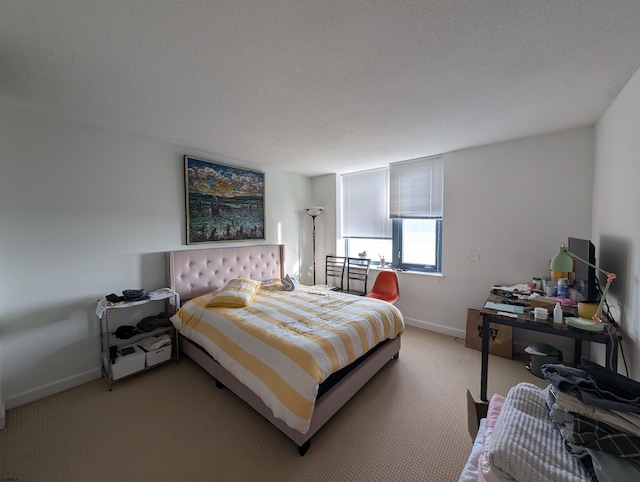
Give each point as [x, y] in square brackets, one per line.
[51, 388]
[445, 330]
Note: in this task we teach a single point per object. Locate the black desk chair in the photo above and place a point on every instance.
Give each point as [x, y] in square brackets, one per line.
[357, 275]
[334, 272]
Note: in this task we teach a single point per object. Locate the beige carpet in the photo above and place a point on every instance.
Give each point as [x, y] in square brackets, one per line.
[172, 424]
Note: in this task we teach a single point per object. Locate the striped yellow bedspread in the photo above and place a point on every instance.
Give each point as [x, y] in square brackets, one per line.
[285, 343]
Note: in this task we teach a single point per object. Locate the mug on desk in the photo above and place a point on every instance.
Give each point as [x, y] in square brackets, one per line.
[550, 289]
[540, 313]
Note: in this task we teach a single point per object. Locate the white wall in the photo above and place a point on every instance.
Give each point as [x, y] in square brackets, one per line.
[515, 203]
[85, 212]
[325, 192]
[616, 222]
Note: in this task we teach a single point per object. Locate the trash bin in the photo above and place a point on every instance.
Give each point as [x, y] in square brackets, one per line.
[542, 354]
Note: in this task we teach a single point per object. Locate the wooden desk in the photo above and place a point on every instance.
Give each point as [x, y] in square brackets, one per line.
[526, 321]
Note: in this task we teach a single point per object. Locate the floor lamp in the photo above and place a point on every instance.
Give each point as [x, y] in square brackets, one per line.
[314, 212]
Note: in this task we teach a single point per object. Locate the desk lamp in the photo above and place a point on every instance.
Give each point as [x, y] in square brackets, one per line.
[563, 261]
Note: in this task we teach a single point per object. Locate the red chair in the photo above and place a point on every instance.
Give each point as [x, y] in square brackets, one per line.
[385, 287]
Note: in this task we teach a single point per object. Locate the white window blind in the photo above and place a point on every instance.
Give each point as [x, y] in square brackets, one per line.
[365, 205]
[416, 188]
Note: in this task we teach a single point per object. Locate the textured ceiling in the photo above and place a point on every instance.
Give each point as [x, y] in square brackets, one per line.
[318, 86]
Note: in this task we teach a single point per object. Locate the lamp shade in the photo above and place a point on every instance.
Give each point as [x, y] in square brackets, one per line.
[314, 211]
[562, 261]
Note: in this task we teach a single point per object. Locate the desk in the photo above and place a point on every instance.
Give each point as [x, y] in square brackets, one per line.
[526, 321]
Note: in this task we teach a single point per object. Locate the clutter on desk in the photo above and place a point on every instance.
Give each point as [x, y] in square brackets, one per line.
[557, 291]
[518, 289]
[566, 301]
[521, 291]
[514, 300]
[503, 293]
[544, 302]
[509, 307]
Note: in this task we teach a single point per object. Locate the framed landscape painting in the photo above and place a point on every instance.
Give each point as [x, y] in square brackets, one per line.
[224, 203]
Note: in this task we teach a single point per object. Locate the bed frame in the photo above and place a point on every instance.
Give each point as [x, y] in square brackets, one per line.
[193, 273]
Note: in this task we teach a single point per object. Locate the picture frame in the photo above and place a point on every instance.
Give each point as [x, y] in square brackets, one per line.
[223, 203]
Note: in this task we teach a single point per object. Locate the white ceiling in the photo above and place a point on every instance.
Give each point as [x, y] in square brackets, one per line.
[318, 86]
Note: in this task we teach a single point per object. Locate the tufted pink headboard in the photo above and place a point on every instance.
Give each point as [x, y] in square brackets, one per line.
[195, 272]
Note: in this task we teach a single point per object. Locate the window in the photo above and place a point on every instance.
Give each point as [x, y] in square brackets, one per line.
[366, 225]
[418, 244]
[365, 204]
[396, 213]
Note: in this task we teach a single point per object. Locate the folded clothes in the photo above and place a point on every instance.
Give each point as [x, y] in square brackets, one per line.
[612, 382]
[625, 422]
[150, 323]
[128, 295]
[126, 331]
[597, 435]
[595, 385]
[135, 295]
[155, 342]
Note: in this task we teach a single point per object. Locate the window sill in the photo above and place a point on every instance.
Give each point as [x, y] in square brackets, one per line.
[408, 271]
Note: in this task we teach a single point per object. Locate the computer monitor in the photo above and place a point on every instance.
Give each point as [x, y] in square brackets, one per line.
[585, 276]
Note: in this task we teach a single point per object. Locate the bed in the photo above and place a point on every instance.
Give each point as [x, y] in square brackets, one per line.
[200, 276]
